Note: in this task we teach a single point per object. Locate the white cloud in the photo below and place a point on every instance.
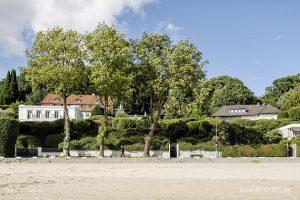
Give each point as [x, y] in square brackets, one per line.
[170, 27]
[278, 37]
[81, 15]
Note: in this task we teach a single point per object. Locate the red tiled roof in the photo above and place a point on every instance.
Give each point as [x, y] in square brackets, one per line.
[87, 102]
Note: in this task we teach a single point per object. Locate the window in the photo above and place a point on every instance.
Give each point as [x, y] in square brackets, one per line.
[47, 114]
[78, 101]
[38, 114]
[29, 114]
[56, 113]
[88, 106]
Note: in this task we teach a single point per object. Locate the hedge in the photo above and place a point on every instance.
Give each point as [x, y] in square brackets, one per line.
[205, 146]
[296, 141]
[52, 141]
[9, 130]
[27, 141]
[269, 150]
[42, 129]
[129, 123]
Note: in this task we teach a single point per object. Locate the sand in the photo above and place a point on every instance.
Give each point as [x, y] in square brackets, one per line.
[149, 179]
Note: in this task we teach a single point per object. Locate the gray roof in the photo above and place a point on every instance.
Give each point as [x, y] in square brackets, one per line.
[251, 110]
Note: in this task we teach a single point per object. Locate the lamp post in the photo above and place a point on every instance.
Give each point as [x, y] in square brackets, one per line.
[217, 141]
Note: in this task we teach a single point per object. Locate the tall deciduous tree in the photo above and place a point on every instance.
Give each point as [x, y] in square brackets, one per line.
[224, 90]
[109, 57]
[56, 61]
[290, 99]
[279, 87]
[165, 68]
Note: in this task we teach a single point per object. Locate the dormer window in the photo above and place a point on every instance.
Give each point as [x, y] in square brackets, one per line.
[238, 110]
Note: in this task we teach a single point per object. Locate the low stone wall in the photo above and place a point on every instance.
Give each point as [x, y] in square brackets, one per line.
[132, 154]
[198, 153]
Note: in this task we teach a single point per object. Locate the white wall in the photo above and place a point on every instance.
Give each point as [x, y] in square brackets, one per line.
[132, 154]
[74, 113]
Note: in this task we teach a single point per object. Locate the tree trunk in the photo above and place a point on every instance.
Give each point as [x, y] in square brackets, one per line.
[102, 136]
[149, 137]
[66, 128]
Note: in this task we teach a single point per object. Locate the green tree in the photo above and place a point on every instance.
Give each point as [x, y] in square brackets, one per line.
[289, 99]
[279, 87]
[5, 94]
[165, 68]
[13, 88]
[224, 90]
[109, 57]
[56, 61]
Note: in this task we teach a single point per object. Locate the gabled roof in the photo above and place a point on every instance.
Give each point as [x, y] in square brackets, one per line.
[82, 100]
[250, 110]
[290, 126]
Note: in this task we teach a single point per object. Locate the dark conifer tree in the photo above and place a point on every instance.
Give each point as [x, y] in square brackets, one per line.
[13, 88]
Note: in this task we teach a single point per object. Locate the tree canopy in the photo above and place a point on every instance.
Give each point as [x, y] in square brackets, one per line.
[224, 90]
[279, 87]
[56, 61]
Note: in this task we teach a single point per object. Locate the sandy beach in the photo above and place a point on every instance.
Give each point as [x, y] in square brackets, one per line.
[93, 178]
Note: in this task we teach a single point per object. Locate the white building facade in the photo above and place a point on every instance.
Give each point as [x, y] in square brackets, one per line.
[290, 131]
[47, 113]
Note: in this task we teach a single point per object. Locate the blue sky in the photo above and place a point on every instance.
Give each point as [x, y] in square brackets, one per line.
[255, 41]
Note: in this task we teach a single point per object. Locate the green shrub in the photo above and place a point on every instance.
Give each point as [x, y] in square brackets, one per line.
[7, 114]
[85, 143]
[83, 128]
[135, 147]
[42, 129]
[9, 130]
[269, 150]
[129, 123]
[206, 146]
[272, 137]
[283, 115]
[52, 141]
[27, 141]
[97, 111]
[294, 113]
[296, 141]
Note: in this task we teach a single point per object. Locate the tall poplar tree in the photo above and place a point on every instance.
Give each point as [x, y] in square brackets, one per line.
[13, 87]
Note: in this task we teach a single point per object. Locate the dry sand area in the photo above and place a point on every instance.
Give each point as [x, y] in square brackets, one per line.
[93, 178]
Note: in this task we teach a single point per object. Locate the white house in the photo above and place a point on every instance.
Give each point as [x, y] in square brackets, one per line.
[47, 113]
[251, 112]
[290, 131]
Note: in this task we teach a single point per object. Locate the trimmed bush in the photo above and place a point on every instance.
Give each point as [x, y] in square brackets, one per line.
[42, 129]
[174, 129]
[296, 141]
[9, 130]
[129, 123]
[97, 111]
[27, 141]
[7, 114]
[86, 143]
[269, 150]
[272, 137]
[294, 113]
[52, 141]
[205, 146]
[283, 115]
